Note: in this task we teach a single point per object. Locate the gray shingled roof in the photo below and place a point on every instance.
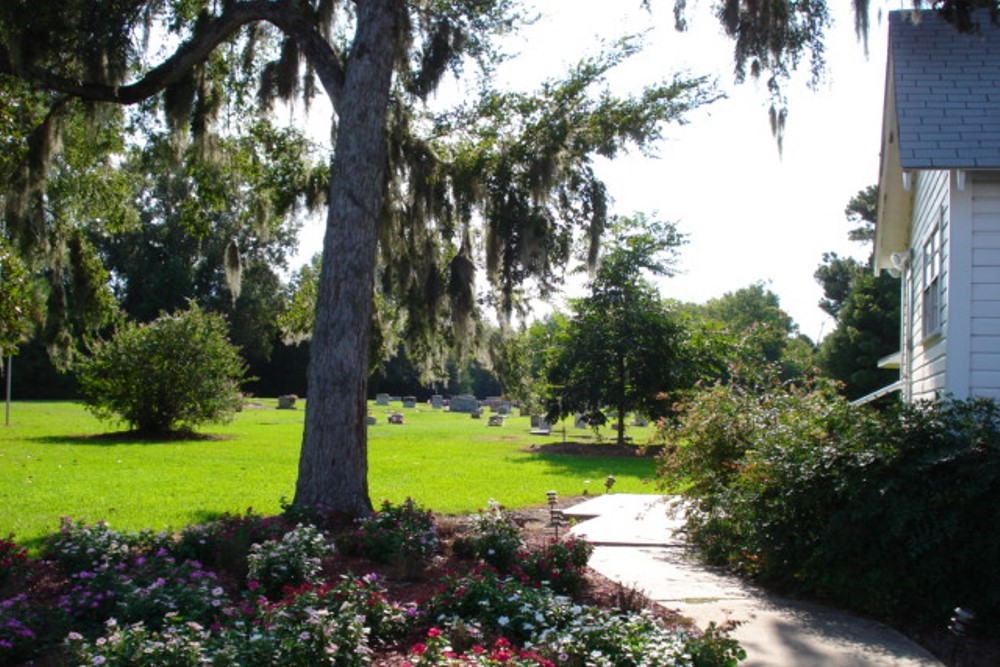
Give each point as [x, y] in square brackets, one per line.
[947, 87]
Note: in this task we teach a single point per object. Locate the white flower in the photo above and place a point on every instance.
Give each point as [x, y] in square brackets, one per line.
[503, 621]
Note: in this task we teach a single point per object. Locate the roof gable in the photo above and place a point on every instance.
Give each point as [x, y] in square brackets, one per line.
[947, 91]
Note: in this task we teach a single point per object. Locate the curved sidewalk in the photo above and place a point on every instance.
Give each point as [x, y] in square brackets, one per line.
[637, 544]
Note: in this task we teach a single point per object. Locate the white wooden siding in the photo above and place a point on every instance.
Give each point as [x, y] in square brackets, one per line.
[984, 377]
[927, 357]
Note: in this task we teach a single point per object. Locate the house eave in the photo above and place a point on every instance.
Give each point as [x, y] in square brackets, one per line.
[892, 225]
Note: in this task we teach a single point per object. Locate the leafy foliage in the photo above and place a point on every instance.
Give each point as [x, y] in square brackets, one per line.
[623, 347]
[760, 332]
[15, 300]
[879, 512]
[867, 308]
[401, 534]
[178, 371]
[495, 537]
[293, 560]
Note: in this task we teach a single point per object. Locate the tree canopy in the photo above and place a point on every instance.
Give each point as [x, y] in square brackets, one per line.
[867, 308]
[623, 347]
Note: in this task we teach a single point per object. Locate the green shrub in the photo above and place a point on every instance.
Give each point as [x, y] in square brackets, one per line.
[224, 544]
[560, 564]
[173, 373]
[295, 559]
[495, 537]
[885, 512]
[403, 535]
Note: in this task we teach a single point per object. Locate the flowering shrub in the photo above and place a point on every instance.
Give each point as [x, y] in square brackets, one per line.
[404, 535]
[302, 629]
[499, 605]
[13, 560]
[437, 651]
[297, 631]
[477, 609]
[78, 546]
[385, 620]
[19, 623]
[144, 589]
[293, 560]
[178, 644]
[560, 565]
[496, 537]
[224, 544]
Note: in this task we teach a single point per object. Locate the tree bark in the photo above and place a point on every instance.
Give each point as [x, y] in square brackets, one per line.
[333, 466]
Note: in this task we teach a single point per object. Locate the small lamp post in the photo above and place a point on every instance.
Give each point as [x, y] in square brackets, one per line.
[552, 497]
[961, 624]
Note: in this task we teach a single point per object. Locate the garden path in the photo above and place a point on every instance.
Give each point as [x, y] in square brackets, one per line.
[638, 543]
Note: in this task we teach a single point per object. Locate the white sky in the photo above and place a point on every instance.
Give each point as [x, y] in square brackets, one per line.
[750, 215]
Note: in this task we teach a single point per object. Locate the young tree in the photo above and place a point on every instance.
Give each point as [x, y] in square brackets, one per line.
[623, 347]
[401, 206]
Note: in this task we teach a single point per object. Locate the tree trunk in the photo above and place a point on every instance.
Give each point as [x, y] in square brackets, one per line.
[333, 466]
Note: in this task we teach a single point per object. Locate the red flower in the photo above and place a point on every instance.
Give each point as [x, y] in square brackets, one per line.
[418, 648]
[434, 632]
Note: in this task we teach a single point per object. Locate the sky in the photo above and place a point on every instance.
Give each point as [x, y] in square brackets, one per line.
[749, 213]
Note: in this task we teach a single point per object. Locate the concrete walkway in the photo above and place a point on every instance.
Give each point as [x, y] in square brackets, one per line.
[637, 543]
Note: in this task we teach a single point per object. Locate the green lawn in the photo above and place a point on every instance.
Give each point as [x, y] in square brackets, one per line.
[54, 463]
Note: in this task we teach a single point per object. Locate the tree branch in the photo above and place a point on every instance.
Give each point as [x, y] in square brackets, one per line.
[287, 17]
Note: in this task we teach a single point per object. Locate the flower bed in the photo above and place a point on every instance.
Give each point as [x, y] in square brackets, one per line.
[309, 594]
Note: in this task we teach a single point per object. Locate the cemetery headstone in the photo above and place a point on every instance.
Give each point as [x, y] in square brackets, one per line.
[287, 402]
[381, 399]
[371, 420]
[395, 418]
[579, 421]
[437, 401]
[464, 403]
[495, 420]
[475, 414]
[409, 401]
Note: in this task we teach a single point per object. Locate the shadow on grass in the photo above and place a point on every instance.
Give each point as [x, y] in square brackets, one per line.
[593, 466]
[130, 438]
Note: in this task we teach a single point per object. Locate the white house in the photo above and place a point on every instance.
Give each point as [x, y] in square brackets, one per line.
[939, 203]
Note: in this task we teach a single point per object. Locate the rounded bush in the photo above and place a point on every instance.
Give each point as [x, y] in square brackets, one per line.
[173, 373]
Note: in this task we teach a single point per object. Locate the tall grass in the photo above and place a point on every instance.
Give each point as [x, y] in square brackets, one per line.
[57, 460]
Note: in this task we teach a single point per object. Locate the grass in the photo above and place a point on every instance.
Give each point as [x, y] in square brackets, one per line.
[55, 462]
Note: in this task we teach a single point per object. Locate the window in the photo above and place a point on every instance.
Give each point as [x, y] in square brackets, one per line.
[932, 263]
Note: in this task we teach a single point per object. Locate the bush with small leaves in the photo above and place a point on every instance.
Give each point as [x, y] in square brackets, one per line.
[295, 559]
[495, 537]
[174, 373]
[403, 535]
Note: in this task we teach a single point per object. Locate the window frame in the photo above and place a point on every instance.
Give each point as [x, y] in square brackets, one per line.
[932, 270]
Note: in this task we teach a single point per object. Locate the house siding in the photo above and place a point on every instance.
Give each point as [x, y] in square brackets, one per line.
[984, 346]
[927, 354]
